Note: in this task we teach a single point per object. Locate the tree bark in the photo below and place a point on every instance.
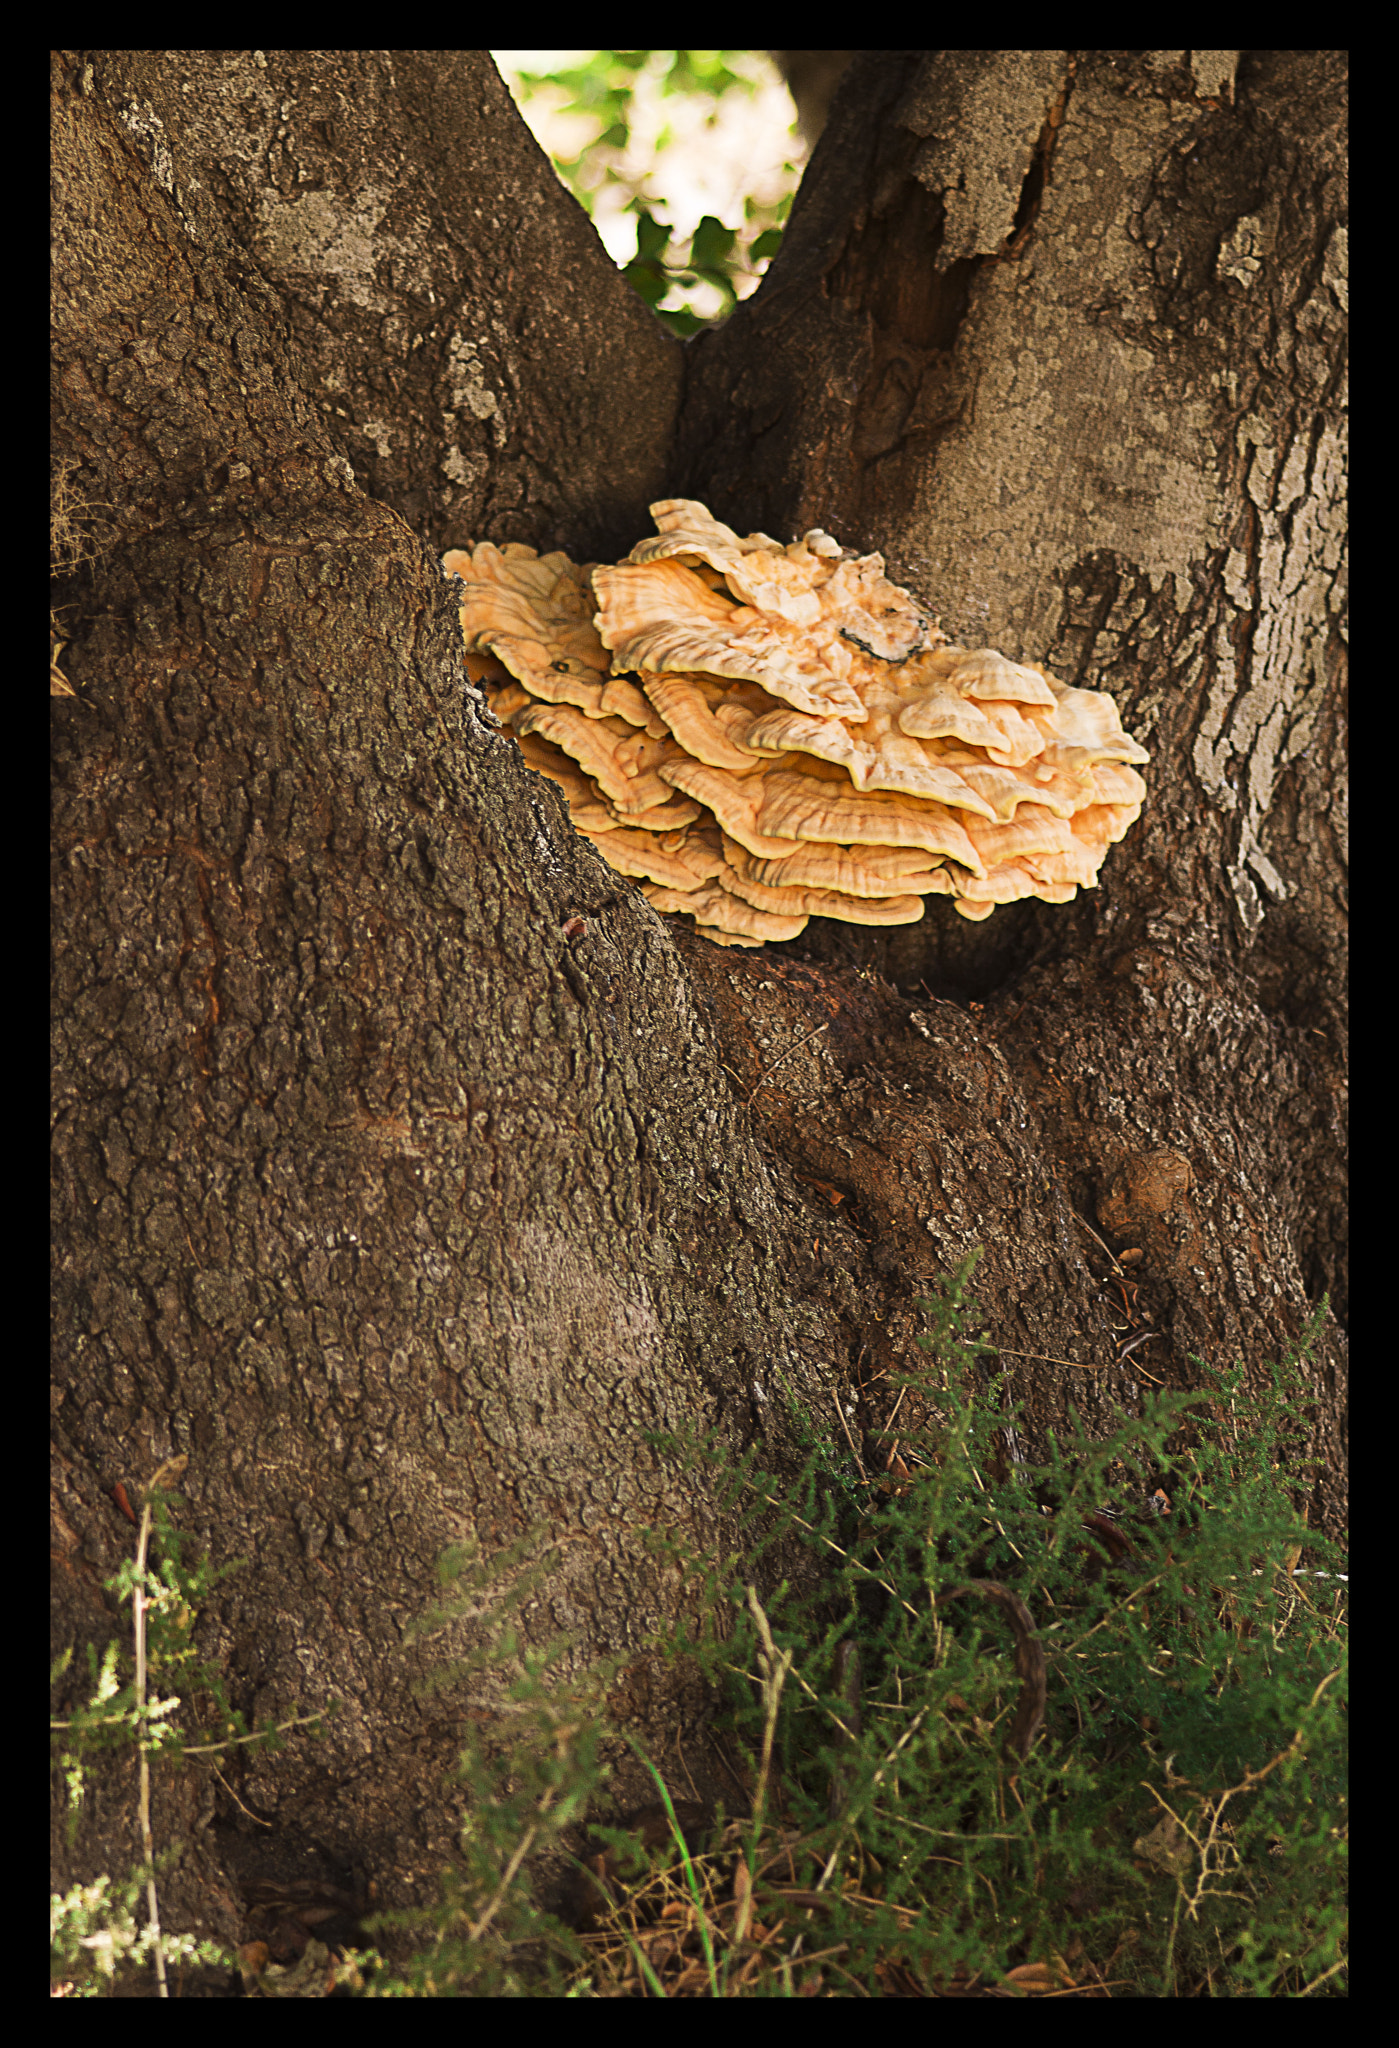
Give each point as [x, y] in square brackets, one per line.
[405, 1215]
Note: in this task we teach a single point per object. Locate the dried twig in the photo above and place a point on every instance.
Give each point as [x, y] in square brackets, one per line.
[786, 1056]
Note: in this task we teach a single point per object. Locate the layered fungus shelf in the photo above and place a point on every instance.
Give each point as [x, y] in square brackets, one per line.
[760, 734]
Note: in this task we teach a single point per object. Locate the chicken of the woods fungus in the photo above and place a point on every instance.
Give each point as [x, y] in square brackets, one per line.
[759, 734]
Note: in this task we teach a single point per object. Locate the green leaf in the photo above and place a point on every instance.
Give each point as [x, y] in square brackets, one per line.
[652, 237]
[646, 279]
[683, 322]
[712, 244]
[766, 244]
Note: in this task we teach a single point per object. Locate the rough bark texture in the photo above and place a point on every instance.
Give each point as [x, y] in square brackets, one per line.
[400, 1213]
[1064, 334]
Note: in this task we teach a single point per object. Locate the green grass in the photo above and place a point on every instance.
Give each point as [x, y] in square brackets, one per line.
[1178, 1828]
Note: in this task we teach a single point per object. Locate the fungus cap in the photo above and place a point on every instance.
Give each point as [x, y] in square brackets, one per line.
[534, 612]
[759, 734]
[713, 720]
[658, 616]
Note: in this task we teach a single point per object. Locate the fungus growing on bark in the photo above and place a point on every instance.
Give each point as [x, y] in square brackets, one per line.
[760, 734]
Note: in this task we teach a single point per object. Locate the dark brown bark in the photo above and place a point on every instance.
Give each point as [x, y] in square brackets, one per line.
[400, 1214]
[813, 77]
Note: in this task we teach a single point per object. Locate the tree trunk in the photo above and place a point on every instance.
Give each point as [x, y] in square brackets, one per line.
[405, 1215]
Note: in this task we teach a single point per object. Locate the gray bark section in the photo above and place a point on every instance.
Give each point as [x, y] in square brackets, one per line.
[482, 371]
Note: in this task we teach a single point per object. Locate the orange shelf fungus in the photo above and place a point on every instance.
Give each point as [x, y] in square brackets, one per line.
[759, 734]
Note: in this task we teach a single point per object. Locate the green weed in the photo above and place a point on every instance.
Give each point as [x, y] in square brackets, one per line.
[135, 1694]
[1173, 1823]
